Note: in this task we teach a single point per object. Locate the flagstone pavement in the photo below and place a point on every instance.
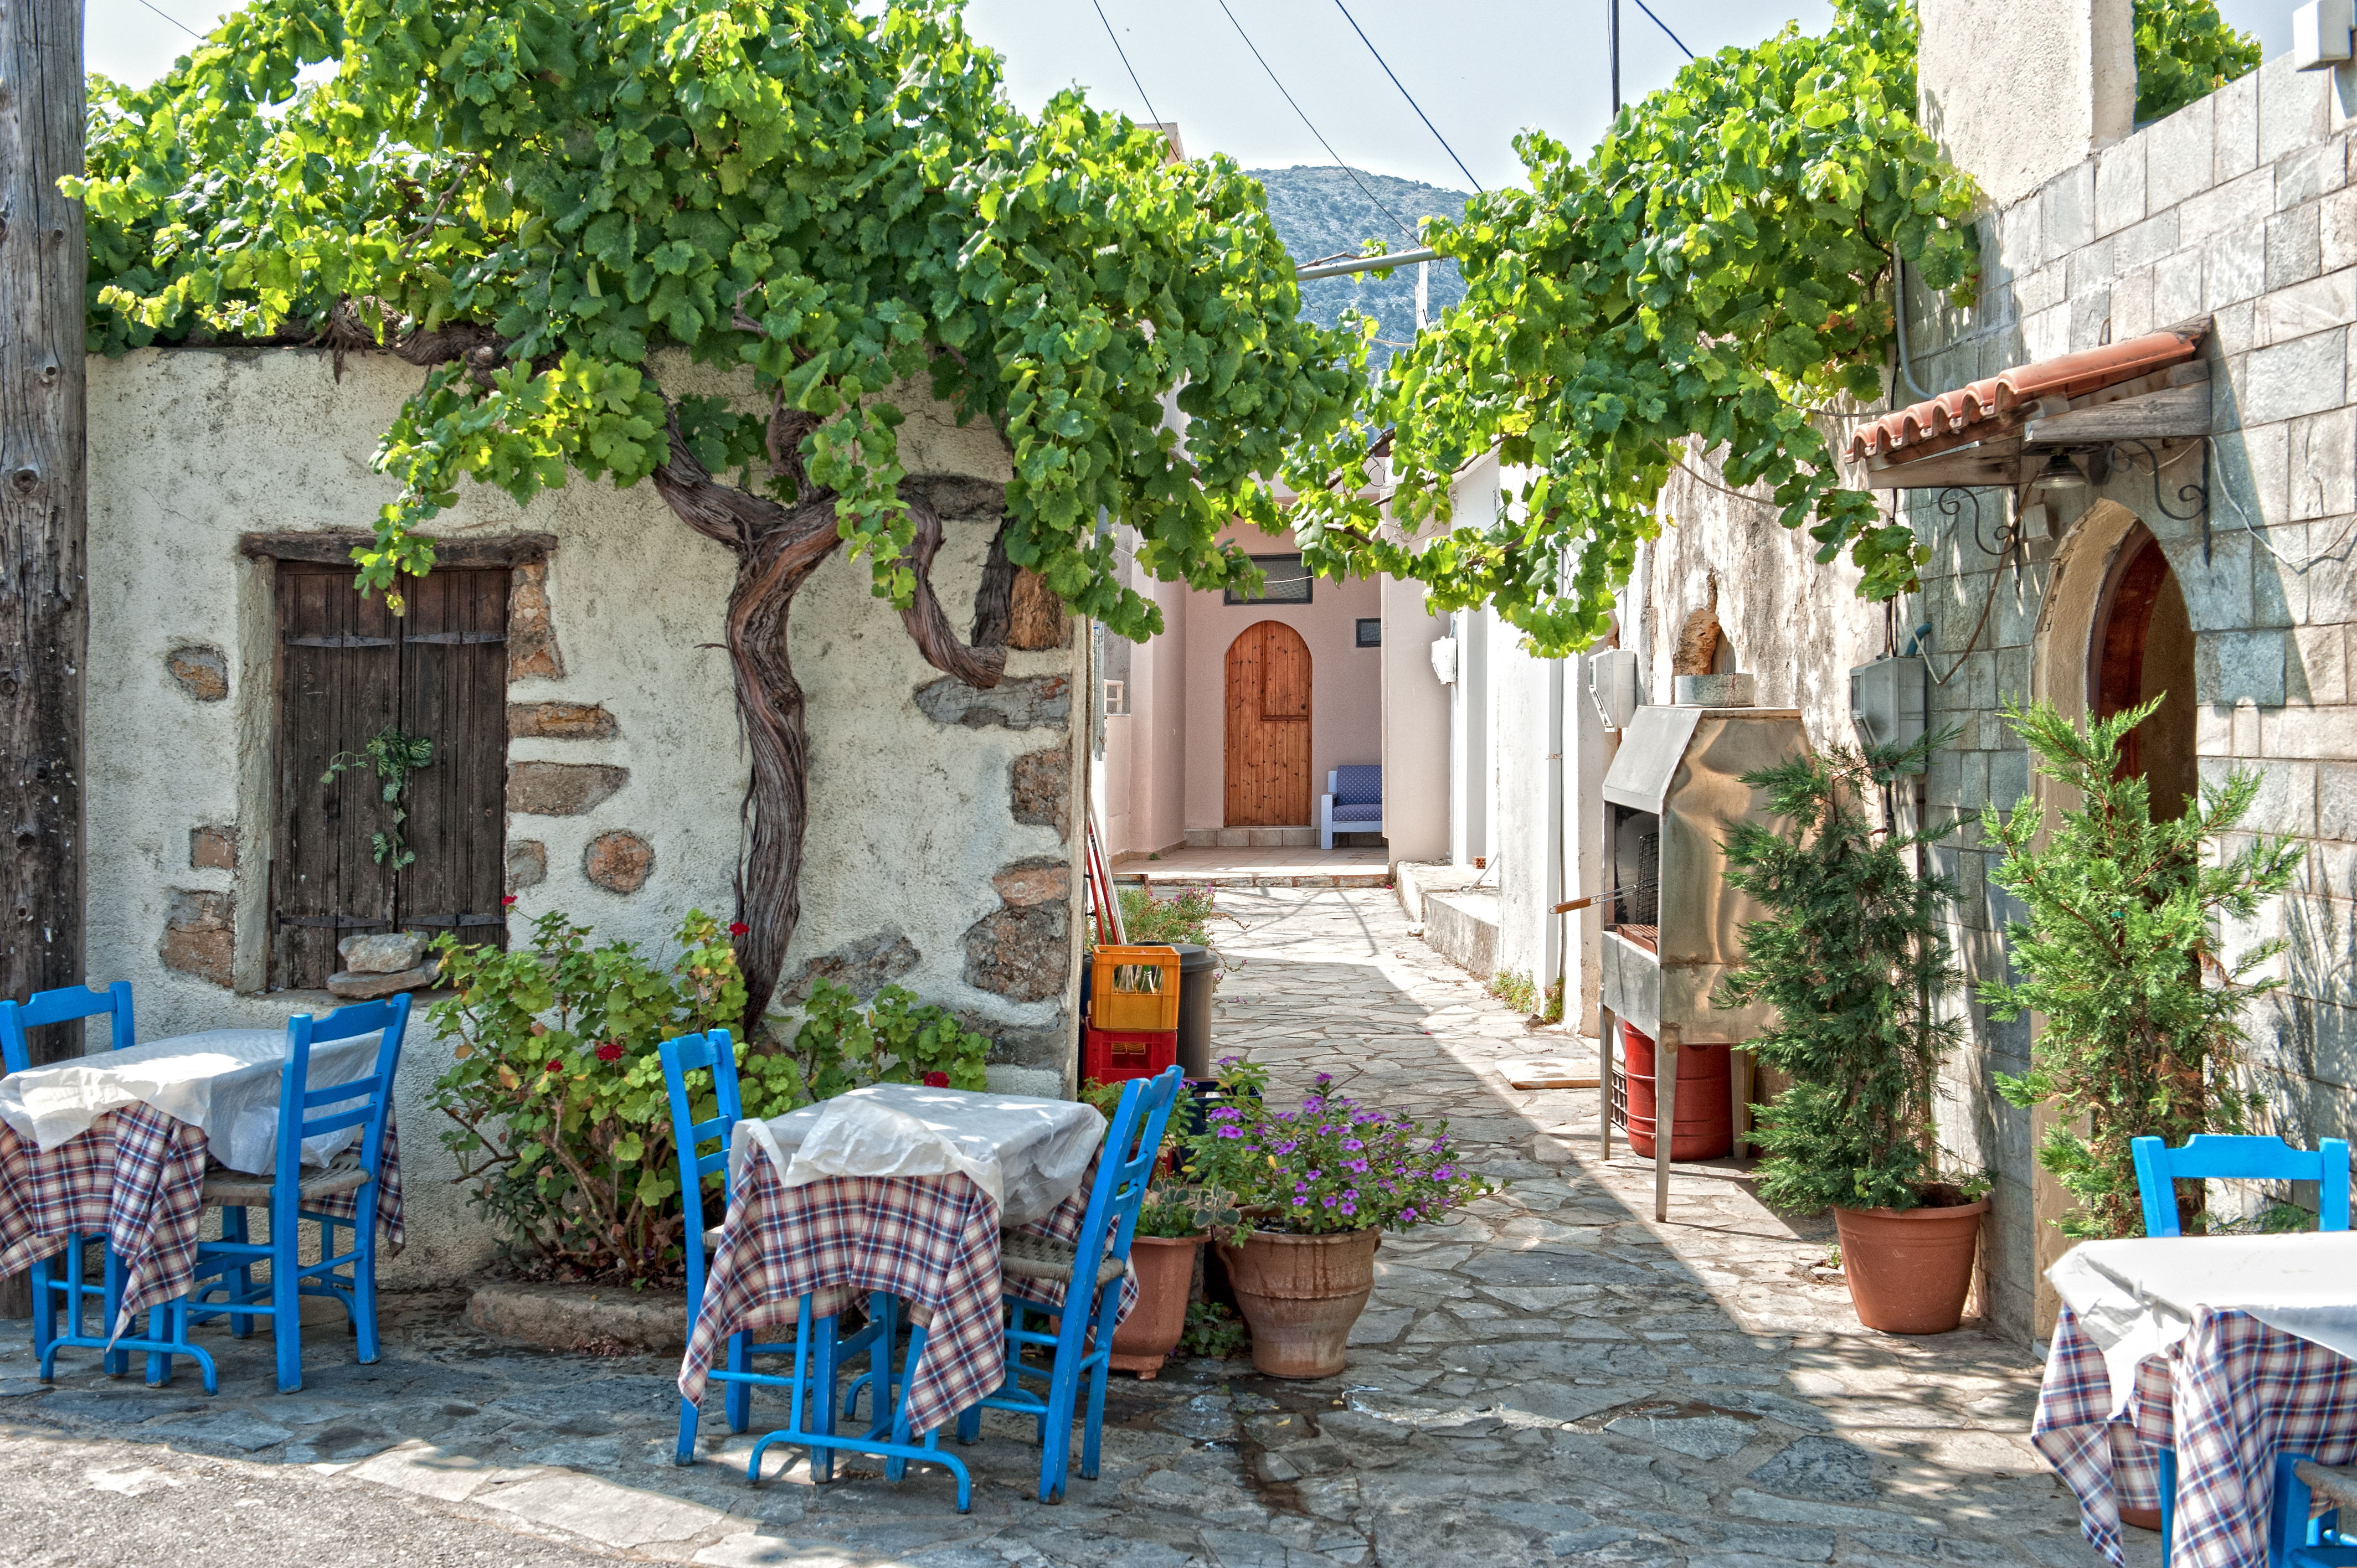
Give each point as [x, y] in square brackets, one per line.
[1550, 1378]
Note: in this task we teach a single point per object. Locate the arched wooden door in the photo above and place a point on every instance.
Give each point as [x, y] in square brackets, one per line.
[2144, 648]
[1268, 728]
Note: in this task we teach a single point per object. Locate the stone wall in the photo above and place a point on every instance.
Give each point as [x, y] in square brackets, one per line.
[942, 844]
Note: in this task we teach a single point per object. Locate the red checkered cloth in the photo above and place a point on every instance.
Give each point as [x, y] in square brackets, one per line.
[931, 1241]
[2248, 1393]
[135, 1176]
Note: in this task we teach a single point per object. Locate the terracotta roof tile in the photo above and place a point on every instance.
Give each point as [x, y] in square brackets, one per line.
[1952, 414]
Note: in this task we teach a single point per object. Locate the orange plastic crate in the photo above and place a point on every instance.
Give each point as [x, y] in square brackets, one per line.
[1133, 988]
[1116, 1056]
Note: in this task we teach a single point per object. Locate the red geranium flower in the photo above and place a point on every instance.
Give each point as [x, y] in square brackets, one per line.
[555, 1066]
[609, 1052]
[937, 1080]
[508, 899]
[737, 928]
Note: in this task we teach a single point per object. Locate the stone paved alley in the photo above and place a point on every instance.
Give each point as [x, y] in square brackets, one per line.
[1550, 1378]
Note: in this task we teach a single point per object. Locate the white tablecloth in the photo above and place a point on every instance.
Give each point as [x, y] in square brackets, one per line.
[2136, 1298]
[225, 1081]
[1025, 1153]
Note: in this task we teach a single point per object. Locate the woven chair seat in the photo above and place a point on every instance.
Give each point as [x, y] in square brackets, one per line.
[2335, 1483]
[1030, 1257]
[226, 1188]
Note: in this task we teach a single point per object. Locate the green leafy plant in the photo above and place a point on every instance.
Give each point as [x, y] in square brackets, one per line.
[563, 1122]
[1331, 1167]
[1521, 993]
[2124, 958]
[1176, 1208]
[1213, 1330]
[841, 1046]
[392, 756]
[2185, 51]
[1855, 957]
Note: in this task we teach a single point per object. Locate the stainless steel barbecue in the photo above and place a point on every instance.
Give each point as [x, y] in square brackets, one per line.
[1672, 928]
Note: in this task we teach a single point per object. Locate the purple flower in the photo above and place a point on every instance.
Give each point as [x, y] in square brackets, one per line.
[1353, 1145]
[1324, 1079]
[1231, 1131]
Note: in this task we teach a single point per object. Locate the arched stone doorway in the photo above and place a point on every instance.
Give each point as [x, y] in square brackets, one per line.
[2143, 649]
[1267, 755]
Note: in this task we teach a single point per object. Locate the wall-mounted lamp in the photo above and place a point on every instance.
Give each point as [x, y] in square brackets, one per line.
[2059, 474]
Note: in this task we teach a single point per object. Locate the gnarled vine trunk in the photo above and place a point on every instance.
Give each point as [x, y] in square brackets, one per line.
[777, 548]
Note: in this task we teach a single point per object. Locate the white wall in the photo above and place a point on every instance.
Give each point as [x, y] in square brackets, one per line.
[2017, 91]
[909, 819]
[1416, 727]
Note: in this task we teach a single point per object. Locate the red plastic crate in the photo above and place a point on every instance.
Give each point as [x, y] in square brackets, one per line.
[1116, 1056]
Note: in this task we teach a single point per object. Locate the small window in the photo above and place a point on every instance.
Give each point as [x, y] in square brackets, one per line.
[1285, 580]
[1371, 632]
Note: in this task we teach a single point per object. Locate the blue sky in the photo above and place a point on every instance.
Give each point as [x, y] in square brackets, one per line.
[1481, 69]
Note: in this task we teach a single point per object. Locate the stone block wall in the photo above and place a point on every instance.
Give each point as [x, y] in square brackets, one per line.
[941, 844]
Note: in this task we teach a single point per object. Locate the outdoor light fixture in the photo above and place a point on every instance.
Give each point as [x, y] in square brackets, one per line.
[2059, 474]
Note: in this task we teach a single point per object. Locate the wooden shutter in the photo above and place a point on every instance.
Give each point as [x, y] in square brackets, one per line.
[347, 669]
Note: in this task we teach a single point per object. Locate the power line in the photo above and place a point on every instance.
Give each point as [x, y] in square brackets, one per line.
[174, 20]
[1125, 63]
[1406, 94]
[1314, 131]
[1657, 22]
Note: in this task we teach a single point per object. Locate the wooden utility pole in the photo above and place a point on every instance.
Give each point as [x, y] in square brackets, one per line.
[43, 515]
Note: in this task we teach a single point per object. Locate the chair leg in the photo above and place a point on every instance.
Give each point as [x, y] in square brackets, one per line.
[738, 1400]
[1108, 1309]
[286, 1300]
[969, 1425]
[110, 1306]
[159, 1366]
[240, 1280]
[44, 1311]
[2168, 1500]
[363, 1302]
[819, 1406]
[686, 1453]
[1063, 1392]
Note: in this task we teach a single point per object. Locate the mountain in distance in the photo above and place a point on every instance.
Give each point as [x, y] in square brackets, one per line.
[1321, 211]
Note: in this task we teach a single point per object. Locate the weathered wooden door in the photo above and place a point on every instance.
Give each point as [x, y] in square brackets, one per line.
[348, 670]
[1268, 782]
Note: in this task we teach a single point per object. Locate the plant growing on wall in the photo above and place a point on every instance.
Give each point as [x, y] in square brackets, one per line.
[1855, 957]
[392, 756]
[2123, 957]
[822, 204]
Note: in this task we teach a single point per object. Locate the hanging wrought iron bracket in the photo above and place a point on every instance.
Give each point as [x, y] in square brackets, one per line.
[2009, 533]
[2198, 495]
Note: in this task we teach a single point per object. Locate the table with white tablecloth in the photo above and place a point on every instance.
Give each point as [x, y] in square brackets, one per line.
[2225, 1350]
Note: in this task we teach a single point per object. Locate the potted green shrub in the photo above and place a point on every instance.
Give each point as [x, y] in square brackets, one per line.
[1855, 958]
[1172, 1224]
[1319, 1185]
[2123, 959]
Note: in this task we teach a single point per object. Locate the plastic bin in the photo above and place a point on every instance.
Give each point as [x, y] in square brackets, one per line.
[1134, 988]
[1116, 1056]
[1198, 969]
[1705, 1129]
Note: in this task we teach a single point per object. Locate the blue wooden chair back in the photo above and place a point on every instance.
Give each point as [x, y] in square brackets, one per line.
[364, 1102]
[63, 1005]
[2209, 1155]
[1131, 1145]
[715, 1054]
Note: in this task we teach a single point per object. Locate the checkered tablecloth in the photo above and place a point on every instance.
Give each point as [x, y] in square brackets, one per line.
[931, 1241]
[136, 1176]
[2228, 1397]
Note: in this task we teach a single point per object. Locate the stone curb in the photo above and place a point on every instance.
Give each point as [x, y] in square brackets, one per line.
[574, 1317]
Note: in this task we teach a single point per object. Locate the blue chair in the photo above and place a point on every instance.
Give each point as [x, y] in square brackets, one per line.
[2214, 1157]
[2295, 1540]
[814, 1340]
[1082, 1343]
[72, 1292]
[364, 1103]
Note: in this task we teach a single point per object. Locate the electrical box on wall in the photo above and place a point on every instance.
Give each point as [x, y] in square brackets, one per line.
[1887, 702]
[1612, 685]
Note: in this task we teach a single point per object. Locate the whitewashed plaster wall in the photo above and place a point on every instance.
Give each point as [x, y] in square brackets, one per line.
[909, 815]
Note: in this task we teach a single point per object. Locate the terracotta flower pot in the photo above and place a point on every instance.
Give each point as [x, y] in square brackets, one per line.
[1166, 1270]
[1299, 1295]
[1910, 1269]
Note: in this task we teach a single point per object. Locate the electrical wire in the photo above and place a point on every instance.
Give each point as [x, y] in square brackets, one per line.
[2298, 569]
[1314, 131]
[174, 20]
[1410, 96]
[1125, 63]
[1665, 27]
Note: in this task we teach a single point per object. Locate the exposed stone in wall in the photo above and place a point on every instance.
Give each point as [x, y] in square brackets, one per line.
[199, 936]
[618, 862]
[959, 498]
[532, 632]
[1697, 647]
[864, 966]
[1023, 954]
[1039, 787]
[527, 865]
[1030, 881]
[560, 788]
[1024, 1044]
[1036, 617]
[1023, 702]
[559, 721]
[212, 849]
[201, 669]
